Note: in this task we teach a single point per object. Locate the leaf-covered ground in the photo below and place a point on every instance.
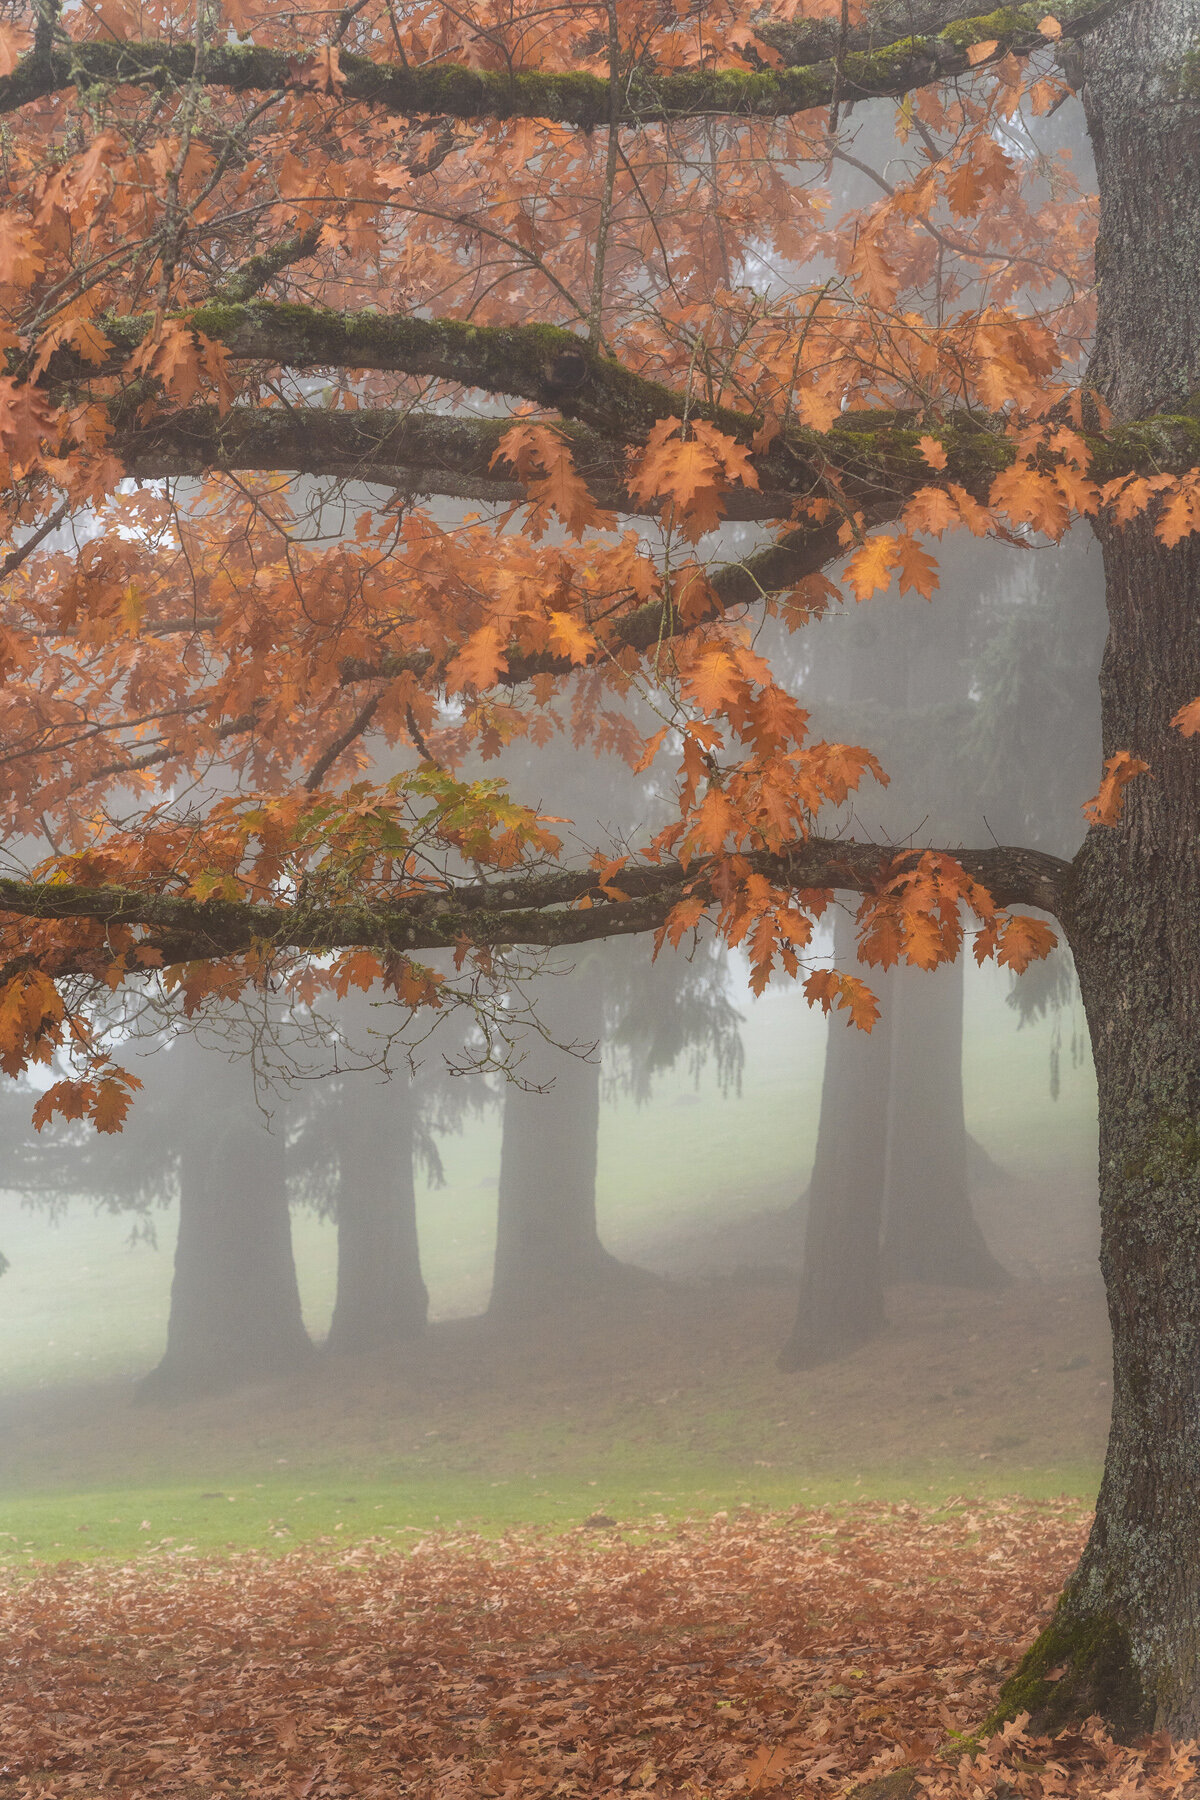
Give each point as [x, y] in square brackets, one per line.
[791, 1654]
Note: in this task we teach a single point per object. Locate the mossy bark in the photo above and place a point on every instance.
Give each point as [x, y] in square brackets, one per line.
[449, 90]
[1126, 1638]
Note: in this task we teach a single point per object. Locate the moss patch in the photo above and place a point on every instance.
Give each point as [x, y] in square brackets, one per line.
[1076, 1668]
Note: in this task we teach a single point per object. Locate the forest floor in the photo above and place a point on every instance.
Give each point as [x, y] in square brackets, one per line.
[792, 1654]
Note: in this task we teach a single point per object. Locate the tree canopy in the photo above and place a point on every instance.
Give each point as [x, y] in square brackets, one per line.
[373, 378]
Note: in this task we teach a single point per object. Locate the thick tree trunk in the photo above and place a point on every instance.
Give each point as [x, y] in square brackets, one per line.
[381, 1297]
[841, 1288]
[1127, 1631]
[548, 1250]
[235, 1305]
[930, 1230]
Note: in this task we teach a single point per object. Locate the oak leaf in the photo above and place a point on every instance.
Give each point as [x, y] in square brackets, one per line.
[1105, 807]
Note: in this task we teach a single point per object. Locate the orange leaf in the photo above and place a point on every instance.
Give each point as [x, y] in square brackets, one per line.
[11, 46]
[478, 662]
[1187, 719]
[571, 638]
[918, 570]
[870, 568]
[933, 452]
[713, 680]
[1024, 940]
[977, 53]
[1119, 771]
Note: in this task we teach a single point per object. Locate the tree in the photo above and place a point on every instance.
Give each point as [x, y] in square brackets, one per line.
[606, 214]
[200, 1139]
[606, 1016]
[235, 1303]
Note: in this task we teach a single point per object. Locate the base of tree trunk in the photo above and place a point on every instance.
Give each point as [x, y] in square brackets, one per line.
[817, 1341]
[965, 1263]
[366, 1335]
[599, 1281]
[1077, 1667]
[196, 1379]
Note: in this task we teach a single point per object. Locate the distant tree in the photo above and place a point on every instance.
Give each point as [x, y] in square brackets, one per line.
[200, 1140]
[358, 1141]
[606, 1014]
[235, 1303]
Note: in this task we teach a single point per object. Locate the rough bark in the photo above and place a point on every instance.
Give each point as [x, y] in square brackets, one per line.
[841, 1289]
[548, 1249]
[930, 1230]
[235, 1304]
[1127, 1631]
[381, 1296]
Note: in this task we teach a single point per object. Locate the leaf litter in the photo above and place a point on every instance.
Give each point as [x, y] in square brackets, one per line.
[785, 1654]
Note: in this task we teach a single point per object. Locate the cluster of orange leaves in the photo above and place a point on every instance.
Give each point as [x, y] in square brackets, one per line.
[387, 840]
[757, 1655]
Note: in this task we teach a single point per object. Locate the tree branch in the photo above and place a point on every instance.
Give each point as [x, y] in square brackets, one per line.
[242, 284]
[536, 909]
[897, 67]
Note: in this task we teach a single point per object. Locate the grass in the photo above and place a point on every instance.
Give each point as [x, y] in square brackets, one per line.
[277, 1514]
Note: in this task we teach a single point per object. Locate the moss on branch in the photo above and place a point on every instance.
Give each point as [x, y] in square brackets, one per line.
[566, 97]
[524, 909]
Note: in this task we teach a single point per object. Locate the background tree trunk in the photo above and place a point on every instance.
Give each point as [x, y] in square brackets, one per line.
[548, 1250]
[381, 1297]
[841, 1288]
[930, 1230]
[235, 1304]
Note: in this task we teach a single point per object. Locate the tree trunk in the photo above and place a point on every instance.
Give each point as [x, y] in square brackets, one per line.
[841, 1288]
[930, 1230]
[548, 1250]
[381, 1297]
[1127, 1632]
[235, 1304]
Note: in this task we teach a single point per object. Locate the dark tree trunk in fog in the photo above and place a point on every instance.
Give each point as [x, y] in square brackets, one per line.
[548, 1251]
[235, 1305]
[1125, 1640]
[841, 1290]
[381, 1297]
[930, 1230]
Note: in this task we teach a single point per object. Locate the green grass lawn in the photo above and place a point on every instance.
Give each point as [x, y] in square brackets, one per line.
[276, 1515]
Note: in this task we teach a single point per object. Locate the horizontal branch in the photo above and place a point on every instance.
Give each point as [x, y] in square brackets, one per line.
[540, 909]
[449, 90]
[421, 452]
[870, 454]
